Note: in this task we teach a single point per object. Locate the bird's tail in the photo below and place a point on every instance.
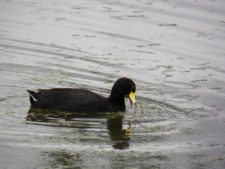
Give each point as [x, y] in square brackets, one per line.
[33, 96]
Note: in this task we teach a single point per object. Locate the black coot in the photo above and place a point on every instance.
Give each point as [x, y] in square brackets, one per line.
[81, 100]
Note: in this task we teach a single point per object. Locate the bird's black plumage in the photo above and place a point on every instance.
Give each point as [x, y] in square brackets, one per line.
[81, 100]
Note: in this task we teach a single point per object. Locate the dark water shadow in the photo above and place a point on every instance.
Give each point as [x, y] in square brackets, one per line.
[119, 137]
[63, 159]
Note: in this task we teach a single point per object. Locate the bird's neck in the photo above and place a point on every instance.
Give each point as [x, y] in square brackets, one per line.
[117, 100]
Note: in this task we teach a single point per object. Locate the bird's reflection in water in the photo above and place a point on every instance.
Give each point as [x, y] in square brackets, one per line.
[117, 134]
[119, 137]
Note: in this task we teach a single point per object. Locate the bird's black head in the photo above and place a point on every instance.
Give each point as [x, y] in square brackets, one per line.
[123, 87]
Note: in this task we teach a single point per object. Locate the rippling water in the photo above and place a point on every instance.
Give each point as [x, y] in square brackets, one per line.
[173, 50]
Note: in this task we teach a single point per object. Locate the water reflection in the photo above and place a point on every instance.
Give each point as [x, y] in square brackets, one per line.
[117, 134]
[62, 158]
[114, 123]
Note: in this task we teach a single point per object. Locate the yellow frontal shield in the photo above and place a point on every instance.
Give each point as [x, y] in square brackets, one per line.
[132, 98]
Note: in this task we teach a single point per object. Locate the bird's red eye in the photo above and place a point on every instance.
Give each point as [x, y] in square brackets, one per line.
[133, 89]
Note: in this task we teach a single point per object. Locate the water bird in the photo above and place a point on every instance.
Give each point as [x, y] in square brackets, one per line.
[82, 100]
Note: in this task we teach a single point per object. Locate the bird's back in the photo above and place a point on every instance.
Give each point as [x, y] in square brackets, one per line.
[67, 99]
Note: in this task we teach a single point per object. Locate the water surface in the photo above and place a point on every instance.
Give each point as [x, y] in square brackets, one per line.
[174, 51]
